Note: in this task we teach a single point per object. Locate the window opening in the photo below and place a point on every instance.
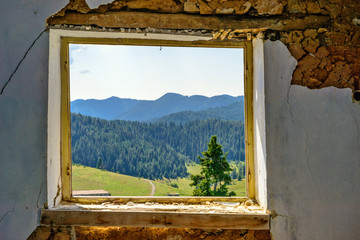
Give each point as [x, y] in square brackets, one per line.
[141, 116]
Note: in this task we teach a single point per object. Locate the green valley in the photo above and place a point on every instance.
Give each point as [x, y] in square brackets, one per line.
[87, 178]
[154, 144]
[150, 150]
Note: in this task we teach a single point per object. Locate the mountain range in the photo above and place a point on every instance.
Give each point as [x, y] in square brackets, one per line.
[170, 107]
[155, 139]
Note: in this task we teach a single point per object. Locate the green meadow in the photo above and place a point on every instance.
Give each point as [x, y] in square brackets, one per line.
[87, 178]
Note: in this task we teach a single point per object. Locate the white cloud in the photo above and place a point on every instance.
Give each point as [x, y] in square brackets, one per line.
[85, 71]
[76, 48]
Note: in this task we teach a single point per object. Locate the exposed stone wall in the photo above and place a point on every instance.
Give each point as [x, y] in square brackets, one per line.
[109, 233]
[326, 56]
[204, 7]
[53, 233]
[87, 233]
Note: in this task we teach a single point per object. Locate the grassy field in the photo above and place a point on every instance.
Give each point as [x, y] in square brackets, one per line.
[193, 168]
[86, 178]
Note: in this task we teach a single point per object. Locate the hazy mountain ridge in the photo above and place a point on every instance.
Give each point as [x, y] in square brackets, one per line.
[108, 109]
[145, 110]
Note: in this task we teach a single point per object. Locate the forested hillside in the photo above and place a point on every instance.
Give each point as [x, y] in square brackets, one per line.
[234, 111]
[150, 150]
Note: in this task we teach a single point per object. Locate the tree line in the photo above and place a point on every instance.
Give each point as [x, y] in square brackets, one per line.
[234, 111]
[150, 150]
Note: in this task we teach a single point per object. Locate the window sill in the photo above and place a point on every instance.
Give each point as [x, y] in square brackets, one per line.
[204, 216]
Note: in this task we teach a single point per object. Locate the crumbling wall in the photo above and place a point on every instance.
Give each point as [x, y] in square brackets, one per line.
[203, 7]
[312, 136]
[323, 61]
[327, 56]
[83, 233]
[313, 156]
[130, 233]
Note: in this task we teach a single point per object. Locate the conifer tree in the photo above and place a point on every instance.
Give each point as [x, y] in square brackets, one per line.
[234, 174]
[215, 172]
[99, 164]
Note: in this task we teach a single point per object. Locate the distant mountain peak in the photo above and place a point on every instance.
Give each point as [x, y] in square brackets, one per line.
[170, 95]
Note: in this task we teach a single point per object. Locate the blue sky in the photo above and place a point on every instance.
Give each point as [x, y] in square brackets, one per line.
[147, 73]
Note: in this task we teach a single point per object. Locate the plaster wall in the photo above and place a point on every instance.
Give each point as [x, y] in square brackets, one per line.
[23, 114]
[312, 137]
[313, 155]
[259, 122]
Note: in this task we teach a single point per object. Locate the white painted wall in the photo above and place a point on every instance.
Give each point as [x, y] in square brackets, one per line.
[96, 3]
[259, 123]
[23, 111]
[313, 155]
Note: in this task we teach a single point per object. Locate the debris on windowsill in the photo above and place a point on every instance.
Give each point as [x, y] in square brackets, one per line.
[247, 207]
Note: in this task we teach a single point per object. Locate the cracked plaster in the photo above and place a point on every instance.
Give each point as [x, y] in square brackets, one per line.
[23, 110]
[309, 154]
[20, 62]
[6, 213]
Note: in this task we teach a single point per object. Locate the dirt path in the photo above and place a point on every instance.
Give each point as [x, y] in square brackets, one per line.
[152, 187]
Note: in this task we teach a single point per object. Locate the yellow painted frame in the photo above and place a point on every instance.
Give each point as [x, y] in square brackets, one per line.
[66, 169]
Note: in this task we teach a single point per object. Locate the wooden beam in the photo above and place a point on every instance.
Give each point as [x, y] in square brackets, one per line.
[251, 221]
[127, 19]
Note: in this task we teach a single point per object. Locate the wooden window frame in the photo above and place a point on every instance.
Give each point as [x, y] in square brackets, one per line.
[65, 132]
[63, 209]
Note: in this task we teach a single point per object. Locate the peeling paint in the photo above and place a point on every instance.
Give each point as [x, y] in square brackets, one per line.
[58, 191]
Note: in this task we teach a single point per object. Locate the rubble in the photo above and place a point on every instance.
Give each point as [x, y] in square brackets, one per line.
[206, 207]
[109, 233]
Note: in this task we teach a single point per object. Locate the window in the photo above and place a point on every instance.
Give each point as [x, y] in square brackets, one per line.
[180, 212]
[140, 116]
[61, 120]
